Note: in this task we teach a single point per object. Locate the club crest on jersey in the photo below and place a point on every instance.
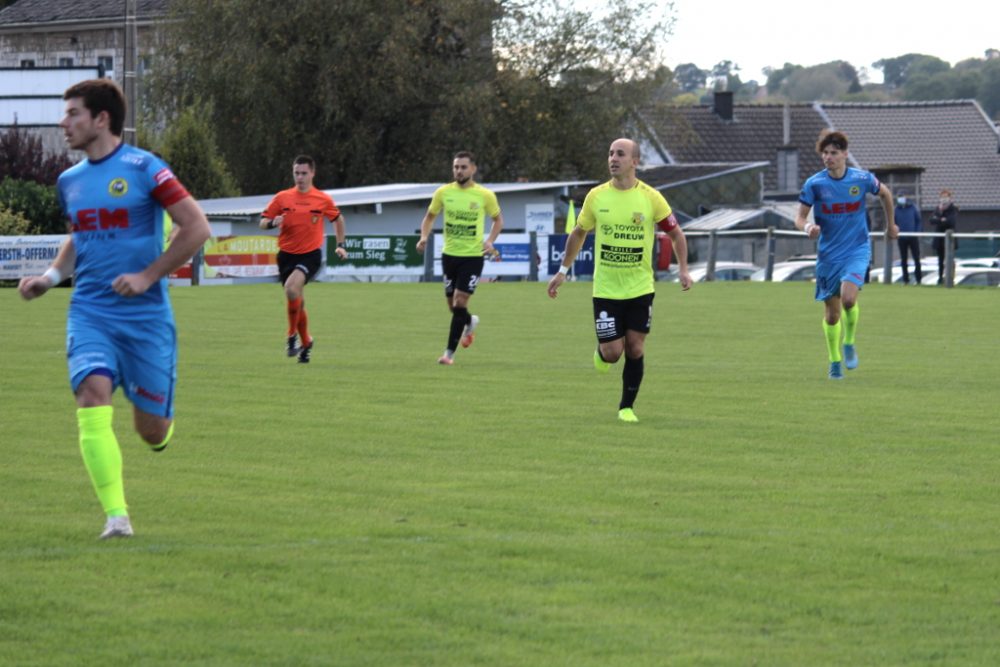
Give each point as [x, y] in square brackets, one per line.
[315, 218]
[473, 206]
[855, 190]
[118, 187]
[638, 218]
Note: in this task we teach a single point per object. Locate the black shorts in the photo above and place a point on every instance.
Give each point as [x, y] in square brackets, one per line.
[461, 273]
[310, 263]
[613, 317]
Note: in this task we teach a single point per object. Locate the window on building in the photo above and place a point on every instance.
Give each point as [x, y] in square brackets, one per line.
[27, 63]
[788, 169]
[107, 63]
[65, 62]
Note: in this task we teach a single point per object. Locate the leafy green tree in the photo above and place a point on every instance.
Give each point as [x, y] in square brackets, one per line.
[776, 77]
[190, 148]
[829, 81]
[989, 88]
[930, 78]
[36, 202]
[966, 83]
[896, 71]
[385, 95]
[13, 223]
[364, 92]
[690, 77]
[926, 66]
[567, 95]
[726, 75]
[929, 87]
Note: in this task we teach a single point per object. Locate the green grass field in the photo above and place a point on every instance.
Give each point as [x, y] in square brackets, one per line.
[374, 508]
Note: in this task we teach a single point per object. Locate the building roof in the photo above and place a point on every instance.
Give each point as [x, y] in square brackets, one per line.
[755, 133]
[672, 175]
[954, 141]
[780, 215]
[26, 12]
[367, 196]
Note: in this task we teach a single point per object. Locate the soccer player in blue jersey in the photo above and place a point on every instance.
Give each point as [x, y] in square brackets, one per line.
[120, 328]
[836, 196]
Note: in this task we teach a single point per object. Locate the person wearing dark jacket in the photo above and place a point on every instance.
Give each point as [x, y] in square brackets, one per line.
[908, 221]
[944, 217]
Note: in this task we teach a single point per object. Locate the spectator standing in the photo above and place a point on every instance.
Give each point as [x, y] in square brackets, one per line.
[909, 222]
[945, 217]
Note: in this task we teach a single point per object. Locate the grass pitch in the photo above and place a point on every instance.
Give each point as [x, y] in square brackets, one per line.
[374, 508]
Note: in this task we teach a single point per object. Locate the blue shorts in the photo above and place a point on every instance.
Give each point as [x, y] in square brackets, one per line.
[140, 356]
[829, 275]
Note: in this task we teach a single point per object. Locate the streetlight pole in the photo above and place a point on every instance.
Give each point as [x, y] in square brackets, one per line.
[130, 65]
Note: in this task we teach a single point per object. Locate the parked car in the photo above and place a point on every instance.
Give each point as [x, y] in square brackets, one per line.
[723, 271]
[978, 263]
[927, 265]
[785, 271]
[967, 276]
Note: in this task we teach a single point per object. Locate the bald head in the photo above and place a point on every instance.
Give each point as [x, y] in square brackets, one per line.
[623, 158]
[628, 146]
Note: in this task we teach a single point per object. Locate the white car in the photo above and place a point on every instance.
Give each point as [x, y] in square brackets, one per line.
[967, 276]
[978, 263]
[785, 271]
[927, 266]
[723, 271]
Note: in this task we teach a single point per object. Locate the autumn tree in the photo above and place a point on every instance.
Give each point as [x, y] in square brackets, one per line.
[389, 95]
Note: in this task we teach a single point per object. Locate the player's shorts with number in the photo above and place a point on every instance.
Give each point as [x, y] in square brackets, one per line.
[461, 273]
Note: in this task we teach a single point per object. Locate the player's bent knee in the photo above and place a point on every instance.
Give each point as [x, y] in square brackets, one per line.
[153, 430]
[612, 354]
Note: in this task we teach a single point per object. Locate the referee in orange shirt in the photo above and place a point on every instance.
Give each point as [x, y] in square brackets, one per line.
[299, 213]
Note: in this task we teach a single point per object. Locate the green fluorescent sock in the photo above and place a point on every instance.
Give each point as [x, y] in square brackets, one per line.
[832, 333]
[102, 457]
[851, 324]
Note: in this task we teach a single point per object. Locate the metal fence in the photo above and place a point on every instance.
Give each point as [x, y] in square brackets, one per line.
[765, 247]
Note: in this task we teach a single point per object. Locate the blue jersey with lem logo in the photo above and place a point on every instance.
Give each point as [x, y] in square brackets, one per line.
[840, 211]
[115, 209]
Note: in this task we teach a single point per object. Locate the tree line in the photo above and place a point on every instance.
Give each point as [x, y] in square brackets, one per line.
[911, 77]
[535, 89]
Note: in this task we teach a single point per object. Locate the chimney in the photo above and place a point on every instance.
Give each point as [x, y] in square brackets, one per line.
[723, 106]
[786, 125]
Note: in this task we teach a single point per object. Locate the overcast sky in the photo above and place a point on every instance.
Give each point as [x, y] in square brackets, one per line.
[762, 33]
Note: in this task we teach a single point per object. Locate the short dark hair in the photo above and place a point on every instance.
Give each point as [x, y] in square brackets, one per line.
[831, 138]
[101, 95]
[465, 154]
[306, 160]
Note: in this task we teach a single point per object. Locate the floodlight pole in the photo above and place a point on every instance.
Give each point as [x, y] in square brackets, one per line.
[129, 71]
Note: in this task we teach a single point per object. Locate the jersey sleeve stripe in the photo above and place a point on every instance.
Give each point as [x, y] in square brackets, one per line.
[169, 193]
